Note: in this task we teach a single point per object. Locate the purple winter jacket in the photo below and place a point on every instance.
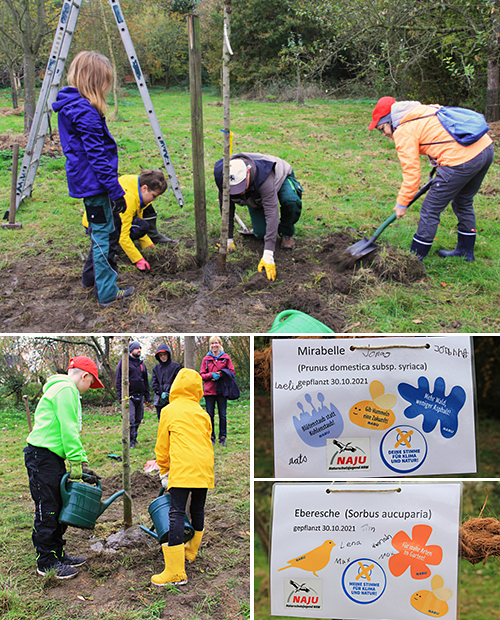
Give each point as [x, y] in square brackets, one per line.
[90, 150]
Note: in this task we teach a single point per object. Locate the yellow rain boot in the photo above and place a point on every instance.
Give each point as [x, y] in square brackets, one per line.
[192, 546]
[174, 572]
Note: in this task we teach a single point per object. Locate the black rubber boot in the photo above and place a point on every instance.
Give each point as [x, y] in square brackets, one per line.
[465, 246]
[420, 248]
[150, 216]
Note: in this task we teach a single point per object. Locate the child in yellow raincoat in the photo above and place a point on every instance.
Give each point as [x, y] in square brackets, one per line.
[185, 455]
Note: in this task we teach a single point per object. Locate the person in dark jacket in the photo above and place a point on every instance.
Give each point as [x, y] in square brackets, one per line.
[92, 164]
[268, 187]
[138, 388]
[163, 376]
[211, 366]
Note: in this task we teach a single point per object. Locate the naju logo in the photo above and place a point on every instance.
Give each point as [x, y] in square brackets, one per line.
[348, 454]
[303, 593]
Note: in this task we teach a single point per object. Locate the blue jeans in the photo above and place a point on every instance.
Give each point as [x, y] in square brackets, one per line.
[458, 185]
[178, 501]
[221, 401]
[102, 232]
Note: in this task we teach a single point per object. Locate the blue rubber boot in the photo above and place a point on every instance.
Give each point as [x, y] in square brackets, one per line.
[420, 248]
[465, 246]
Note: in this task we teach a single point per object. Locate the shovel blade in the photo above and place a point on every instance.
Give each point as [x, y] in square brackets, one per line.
[361, 248]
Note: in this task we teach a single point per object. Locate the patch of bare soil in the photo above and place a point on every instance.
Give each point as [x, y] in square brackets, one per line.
[117, 575]
[179, 296]
[52, 145]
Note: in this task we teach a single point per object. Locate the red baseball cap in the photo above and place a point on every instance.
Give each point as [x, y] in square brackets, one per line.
[85, 363]
[383, 108]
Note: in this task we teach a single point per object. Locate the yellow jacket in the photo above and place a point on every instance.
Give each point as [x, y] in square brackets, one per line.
[411, 140]
[135, 208]
[183, 444]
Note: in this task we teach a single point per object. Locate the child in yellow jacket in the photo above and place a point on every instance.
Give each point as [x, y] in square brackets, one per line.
[138, 221]
[185, 455]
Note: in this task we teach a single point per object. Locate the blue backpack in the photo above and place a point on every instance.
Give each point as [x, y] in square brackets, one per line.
[464, 126]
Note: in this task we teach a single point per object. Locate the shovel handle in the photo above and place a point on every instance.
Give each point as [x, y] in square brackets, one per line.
[392, 217]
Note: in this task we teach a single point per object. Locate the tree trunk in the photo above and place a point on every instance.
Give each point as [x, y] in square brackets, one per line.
[127, 498]
[226, 199]
[13, 87]
[492, 112]
[167, 80]
[29, 91]
[115, 114]
[189, 352]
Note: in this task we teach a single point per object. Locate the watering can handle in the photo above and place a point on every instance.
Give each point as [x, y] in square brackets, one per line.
[64, 491]
[283, 315]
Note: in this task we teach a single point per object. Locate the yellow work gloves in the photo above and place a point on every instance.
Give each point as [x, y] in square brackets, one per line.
[231, 247]
[267, 263]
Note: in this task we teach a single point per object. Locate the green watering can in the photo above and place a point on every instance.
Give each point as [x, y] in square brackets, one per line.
[82, 502]
[296, 322]
[159, 509]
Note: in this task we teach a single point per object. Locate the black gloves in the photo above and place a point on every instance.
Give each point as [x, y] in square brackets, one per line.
[119, 205]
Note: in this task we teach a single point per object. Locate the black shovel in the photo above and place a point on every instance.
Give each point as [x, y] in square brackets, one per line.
[365, 246]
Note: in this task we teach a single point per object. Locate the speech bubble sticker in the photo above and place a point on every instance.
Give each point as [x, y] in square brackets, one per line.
[315, 427]
[434, 406]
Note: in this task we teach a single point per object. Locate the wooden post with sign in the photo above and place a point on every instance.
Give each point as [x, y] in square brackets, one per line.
[127, 498]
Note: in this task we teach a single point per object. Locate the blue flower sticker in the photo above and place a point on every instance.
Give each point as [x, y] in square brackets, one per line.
[434, 406]
[315, 427]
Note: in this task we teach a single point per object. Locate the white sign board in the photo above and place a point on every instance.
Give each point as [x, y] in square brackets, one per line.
[373, 407]
[365, 551]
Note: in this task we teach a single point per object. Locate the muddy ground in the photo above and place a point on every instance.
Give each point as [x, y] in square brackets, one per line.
[44, 295]
[119, 569]
[179, 296]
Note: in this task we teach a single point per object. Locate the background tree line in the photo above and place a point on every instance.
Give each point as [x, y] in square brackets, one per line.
[27, 362]
[444, 51]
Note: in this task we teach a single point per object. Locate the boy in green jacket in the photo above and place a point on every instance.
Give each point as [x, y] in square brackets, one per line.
[55, 437]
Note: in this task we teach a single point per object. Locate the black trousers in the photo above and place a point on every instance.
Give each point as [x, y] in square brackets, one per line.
[178, 501]
[45, 471]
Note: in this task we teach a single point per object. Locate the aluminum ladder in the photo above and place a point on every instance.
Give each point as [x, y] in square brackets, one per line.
[50, 87]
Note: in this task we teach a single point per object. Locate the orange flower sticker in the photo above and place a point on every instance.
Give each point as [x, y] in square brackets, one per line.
[415, 553]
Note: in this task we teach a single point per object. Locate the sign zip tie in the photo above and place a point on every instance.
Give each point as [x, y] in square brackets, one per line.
[393, 346]
[397, 490]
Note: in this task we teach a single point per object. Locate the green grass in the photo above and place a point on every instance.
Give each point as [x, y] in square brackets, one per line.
[351, 178]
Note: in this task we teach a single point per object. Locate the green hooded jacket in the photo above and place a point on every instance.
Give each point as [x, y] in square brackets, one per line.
[58, 419]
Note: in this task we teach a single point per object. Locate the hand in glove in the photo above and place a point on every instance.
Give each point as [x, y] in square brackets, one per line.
[267, 263]
[75, 471]
[215, 376]
[119, 205]
[143, 265]
[231, 247]
[92, 476]
[164, 480]
[164, 395]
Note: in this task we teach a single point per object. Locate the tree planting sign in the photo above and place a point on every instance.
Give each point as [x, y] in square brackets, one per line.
[365, 551]
[350, 408]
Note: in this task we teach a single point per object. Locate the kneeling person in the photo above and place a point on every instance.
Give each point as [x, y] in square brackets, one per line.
[268, 187]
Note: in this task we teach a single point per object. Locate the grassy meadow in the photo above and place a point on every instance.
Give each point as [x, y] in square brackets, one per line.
[24, 595]
[351, 178]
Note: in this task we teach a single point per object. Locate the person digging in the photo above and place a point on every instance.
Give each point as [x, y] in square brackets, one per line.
[268, 187]
[185, 455]
[417, 131]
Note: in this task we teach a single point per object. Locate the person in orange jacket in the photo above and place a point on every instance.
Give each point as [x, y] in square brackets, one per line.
[417, 131]
[185, 455]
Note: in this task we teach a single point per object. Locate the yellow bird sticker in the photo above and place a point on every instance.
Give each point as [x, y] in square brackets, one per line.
[313, 560]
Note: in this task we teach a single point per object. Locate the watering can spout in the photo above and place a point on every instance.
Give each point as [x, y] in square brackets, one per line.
[110, 500]
[150, 532]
